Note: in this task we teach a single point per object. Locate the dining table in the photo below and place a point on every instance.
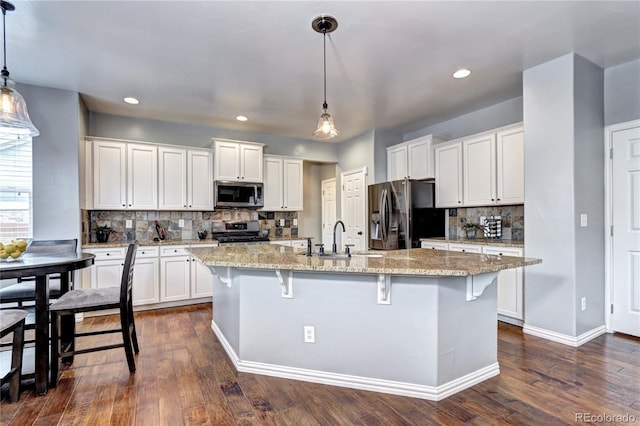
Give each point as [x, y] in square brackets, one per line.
[41, 266]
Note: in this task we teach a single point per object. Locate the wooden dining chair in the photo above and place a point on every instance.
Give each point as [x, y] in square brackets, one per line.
[25, 289]
[12, 321]
[95, 299]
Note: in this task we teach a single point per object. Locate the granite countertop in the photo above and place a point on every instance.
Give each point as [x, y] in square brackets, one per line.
[419, 262]
[116, 244]
[287, 238]
[480, 241]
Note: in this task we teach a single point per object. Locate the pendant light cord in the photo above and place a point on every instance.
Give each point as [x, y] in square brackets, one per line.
[324, 49]
[5, 71]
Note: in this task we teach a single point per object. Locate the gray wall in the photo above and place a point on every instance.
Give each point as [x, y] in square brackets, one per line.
[56, 175]
[563, 112]
[382, 140]
[139, 129]
[622, 93]
[492, 117]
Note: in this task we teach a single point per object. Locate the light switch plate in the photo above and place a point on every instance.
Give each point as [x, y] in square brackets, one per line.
[281, 222]
[128, 224]
[583, 220]
[181, 223]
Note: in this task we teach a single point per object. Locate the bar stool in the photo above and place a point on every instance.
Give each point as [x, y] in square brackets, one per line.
[12, 321]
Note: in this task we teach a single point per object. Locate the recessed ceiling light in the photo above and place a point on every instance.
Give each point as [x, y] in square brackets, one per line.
[461, 73]
[132, 101]
[241, 118]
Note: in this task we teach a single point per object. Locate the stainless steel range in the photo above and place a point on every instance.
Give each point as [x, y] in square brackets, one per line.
[237, 232]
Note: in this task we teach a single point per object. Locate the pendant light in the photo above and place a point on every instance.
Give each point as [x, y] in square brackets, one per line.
[326, 129]
[14, 118]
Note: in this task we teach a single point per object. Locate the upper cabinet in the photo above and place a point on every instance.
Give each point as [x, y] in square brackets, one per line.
[238, 161]
[481, 170]
[412, 159]
[125, 175]
[186, 179]
[282, 183]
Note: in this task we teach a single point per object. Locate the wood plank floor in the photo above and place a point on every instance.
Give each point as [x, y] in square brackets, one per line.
[185, 377]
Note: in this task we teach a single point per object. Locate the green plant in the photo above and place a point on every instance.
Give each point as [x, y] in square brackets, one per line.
[470, 225]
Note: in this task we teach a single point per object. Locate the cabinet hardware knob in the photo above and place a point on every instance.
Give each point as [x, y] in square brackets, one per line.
[123, 205]
[492, 199]
[463, 250]
[498, 199]
[459, 202]
[185, 205]
[108, 254]
[129, 205]
[189, 205]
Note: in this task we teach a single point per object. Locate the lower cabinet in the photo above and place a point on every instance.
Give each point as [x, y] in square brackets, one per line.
[510, 281]
[161, 274]
[296, 244]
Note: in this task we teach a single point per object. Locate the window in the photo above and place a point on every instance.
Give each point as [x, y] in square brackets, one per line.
[16, 195]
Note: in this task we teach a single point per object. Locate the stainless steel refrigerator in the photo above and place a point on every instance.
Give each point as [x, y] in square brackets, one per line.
[401, 212]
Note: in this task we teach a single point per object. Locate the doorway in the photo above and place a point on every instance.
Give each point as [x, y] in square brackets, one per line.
[622, 186]
[354, 208]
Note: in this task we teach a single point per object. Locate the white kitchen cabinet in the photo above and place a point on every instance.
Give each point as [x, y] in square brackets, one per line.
[107, 268]
[238, 161]
[201, 277]
[125, 176]
[283, 178]
[146, 276]
[449, 175]
[510, 166]
[186, 179]
[466, 248]
[432, 245]
[175, 273]
[510, 283]
[479, 170]
[413, 159]
[299, 245]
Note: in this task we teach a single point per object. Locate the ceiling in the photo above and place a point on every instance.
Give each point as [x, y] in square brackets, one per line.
[389, 63]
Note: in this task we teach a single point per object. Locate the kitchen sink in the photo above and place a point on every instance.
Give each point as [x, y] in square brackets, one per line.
[345, 256]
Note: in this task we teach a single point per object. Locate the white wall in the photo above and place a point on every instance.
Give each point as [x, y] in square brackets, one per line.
[563, 115]
[56, 193]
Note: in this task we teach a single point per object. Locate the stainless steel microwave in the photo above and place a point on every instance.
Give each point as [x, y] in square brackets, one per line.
[228, 194]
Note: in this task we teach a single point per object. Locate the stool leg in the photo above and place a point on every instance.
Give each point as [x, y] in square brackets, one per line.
[16, 362]
[55, 349]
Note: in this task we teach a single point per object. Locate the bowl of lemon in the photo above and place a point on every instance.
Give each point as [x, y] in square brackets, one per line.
[13, 250]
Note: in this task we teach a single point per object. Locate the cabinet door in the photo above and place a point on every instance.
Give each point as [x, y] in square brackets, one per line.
[510, 284]
[107, 273]
[292, 184]
[251, 159]
[199, 180]
[201, 279]
[174, 278]
[396, 162]
[479, 165]
[146, 281]
[420, 159]
[173, 178]
[449, 175]
[109, 175]
[142, 177]
[510, 166]
[227, 161]
[273, 183]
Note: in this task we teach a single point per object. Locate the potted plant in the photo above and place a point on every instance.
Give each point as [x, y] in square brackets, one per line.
[471, 228]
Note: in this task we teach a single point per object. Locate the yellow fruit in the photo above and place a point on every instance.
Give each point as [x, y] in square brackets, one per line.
[21, 244]
[10, 247]
[3, 254]
[16, 254]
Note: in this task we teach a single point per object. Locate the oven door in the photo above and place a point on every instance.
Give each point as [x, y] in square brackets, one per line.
[238, 194]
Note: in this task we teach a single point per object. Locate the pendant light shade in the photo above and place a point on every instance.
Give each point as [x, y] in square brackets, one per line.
[14, 118]
[326, 128]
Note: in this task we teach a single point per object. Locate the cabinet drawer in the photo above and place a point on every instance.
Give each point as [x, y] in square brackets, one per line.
[147, 252]
[434, 245]
[108, 253]
[174, 251]
[467, 248]
[502, 251]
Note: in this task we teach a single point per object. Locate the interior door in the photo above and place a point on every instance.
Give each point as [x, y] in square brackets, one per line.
[354, 209]
[329, 210]
[626, 231]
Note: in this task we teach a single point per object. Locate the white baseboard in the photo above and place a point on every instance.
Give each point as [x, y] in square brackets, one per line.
[432, 393]
[565, 339]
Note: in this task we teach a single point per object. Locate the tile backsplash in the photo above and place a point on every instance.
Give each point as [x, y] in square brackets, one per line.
[512, 220]
[143, 223]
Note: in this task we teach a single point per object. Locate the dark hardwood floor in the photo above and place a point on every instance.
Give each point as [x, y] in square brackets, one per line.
[184, 377]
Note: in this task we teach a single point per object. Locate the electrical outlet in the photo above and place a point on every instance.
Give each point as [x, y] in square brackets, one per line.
[583, 220]
[128, 224]
[583, 301]
[309, 334]
[281, 222]
[295, 222]
[181, 223]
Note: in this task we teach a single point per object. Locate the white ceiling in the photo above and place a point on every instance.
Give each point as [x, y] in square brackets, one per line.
[389, 63]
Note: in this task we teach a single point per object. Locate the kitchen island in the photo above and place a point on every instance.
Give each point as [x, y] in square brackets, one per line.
[415, 322]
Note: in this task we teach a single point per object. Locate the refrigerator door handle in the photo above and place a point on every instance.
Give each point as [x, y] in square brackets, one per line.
[383, 214]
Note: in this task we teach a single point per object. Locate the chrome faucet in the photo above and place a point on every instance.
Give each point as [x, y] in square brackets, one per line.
[334, 247]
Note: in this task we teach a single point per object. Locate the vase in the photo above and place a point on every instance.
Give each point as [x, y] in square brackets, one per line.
[471, 234]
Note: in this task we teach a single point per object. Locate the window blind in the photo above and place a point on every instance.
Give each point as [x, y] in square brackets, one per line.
[16, 190]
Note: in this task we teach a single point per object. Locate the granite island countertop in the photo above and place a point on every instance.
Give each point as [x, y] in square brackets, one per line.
[113, 244]
[415, 262]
